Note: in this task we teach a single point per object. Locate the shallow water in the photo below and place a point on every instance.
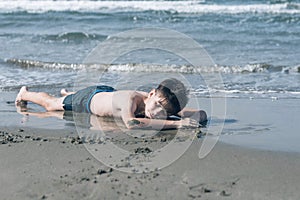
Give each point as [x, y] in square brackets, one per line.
[263, 123]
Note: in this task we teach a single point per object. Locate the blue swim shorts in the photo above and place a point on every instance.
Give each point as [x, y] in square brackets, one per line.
[81, 100]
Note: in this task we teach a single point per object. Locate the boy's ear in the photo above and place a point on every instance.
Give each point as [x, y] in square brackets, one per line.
[152, 93]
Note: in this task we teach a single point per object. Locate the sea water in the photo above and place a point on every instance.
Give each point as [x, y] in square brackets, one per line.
[255, 45]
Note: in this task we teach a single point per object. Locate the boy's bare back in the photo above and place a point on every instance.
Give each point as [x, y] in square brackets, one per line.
[118, 103]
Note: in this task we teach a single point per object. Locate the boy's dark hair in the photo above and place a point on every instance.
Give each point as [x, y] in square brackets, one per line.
[175, 93]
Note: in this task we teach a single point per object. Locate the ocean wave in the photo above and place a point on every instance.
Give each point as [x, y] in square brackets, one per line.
[249, 81]
[244, 93]
[61, 37]
[186, 69]
[8, 6]
[73, 36]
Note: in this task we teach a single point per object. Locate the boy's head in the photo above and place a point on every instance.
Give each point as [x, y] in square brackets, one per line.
[167, 99]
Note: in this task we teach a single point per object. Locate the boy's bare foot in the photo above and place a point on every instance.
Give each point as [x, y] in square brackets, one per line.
[65, 92]
[19, 101]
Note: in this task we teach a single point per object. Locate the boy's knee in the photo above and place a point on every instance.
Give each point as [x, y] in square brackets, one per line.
[50, 105]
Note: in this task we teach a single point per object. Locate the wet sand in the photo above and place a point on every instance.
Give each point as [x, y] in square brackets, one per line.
[40, 167]
[55, 163]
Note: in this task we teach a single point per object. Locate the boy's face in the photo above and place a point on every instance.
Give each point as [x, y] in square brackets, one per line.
[154, 106]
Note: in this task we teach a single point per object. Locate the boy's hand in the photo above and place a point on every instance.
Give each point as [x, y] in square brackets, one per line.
[200, 116]
[188, 123]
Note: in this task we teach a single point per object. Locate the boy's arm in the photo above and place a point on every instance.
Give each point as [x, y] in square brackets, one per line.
[145, 123]
[132, 122]
[159, 124]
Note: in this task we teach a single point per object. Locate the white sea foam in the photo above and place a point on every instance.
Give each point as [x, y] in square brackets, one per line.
[252, 94]
[38, 6]
[186, 69]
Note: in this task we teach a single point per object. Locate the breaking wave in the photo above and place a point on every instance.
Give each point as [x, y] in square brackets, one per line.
[73, 36]
[38, 6]
[186, 69]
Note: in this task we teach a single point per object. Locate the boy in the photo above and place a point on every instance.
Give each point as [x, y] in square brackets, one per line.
[167, 99]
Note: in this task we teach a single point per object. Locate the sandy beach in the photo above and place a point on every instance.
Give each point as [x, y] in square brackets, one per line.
[39, 167]
[54, 163]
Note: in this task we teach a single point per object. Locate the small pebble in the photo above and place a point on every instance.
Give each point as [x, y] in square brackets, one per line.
[155, 175]
[44, 197]
[101, 171]
[205, 190]
[224, 193]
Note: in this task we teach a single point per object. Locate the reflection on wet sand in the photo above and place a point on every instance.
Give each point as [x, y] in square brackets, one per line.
[81, 120]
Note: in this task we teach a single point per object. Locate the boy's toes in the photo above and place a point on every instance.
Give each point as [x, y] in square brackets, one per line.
[21, 103]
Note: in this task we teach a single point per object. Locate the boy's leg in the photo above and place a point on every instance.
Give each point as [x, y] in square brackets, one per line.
[50, 103]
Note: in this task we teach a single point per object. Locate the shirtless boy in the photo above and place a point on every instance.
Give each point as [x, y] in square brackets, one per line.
[169, 98]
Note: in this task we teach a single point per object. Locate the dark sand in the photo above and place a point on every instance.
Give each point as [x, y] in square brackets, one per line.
[35, 167]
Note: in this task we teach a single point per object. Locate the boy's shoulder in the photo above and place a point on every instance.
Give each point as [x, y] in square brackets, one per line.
[131, 96]
[132, 93]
